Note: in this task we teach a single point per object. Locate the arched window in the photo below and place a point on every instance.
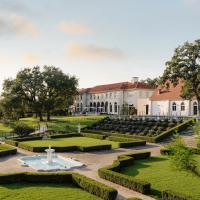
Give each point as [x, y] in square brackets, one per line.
[115, 107]
[110, 107]
[195, 108]
[106, 107]
[91, 106]
[173, 106]
[182, 106]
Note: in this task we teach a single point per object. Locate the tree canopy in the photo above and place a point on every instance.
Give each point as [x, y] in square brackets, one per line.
[185, 66]
[38, 90]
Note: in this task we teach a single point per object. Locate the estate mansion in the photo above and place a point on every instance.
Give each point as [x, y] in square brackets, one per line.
[111, 98]
[137, 96]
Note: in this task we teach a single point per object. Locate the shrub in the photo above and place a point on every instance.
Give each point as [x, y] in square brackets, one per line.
[93, 187]
[181, 156]
[95, 147]
[170, 195]
[12, 142]
[92, 135]
[132, 144]
[6, 150]
[111, 173]
[66, 148]
[22, 129]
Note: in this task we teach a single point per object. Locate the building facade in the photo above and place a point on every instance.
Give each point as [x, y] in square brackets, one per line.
[113, 98]
[167, 101]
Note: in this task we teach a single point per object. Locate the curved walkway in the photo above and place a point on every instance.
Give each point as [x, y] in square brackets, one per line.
[92, 160]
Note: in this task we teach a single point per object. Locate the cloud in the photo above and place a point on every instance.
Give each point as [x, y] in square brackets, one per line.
[93, 52]
[18, 25]
[30, 58]
[74, 28]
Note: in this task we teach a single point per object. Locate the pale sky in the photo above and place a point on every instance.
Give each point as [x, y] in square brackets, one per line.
[99, 41]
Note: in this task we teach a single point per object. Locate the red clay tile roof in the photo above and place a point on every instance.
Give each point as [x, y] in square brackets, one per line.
[116, 86]
[170, 93]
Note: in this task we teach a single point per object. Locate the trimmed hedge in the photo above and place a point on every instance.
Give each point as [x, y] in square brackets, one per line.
[95, 148]
[112, 173]
[95, 136]
[121, 139]
[66, 148]
[127, 142]
[131, 144]
[12, 142]
[94, 187]
[6, 150]
[170, 195]
[85, 183]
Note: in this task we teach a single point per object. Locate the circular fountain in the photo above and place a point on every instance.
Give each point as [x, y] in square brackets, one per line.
[50, 152]
[51, 162]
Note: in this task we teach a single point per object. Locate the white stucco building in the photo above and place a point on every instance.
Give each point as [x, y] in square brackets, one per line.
[110, 98]
[168, 102]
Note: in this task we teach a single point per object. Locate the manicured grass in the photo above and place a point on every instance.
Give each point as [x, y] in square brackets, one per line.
[4, 130]
[159, 172]
[43, 191]
[72, 141]
[60, 123]
[4, 147]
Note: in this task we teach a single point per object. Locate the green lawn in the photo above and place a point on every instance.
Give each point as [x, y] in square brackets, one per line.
[43, 191]
[60, 123]
[72, 141]
[159, 172]
[4, 130]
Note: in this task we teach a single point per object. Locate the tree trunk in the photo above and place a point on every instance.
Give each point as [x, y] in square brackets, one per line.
[40, 116]
[48, 116]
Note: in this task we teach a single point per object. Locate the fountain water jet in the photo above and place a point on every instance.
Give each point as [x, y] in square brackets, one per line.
[50, 152]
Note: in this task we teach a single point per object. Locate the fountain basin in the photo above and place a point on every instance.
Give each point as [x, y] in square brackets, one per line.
[59, 163]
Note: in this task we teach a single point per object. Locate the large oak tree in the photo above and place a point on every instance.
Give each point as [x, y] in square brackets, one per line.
[40, 91]
[185, 65]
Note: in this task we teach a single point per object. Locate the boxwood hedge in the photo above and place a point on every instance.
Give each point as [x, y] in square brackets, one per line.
[170, 195]
[85, 183]
[112, 173]
[66, 148]
[6, 150]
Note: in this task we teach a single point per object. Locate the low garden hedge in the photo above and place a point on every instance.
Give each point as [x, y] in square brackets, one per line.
[67, 148]
[170, 195]
[126, 142]
[112, 173]
[85, 183]
[95, 136]
[6, 150]
[12, 142]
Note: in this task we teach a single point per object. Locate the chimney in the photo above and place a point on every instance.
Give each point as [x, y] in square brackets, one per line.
[134, 79]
